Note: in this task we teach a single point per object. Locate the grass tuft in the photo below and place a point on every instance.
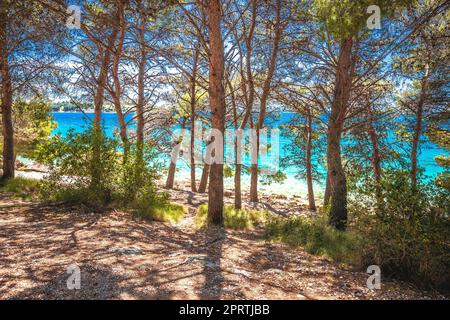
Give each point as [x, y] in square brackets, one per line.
[166, 211]
[242, 219]
[316, 237]
[21, 187]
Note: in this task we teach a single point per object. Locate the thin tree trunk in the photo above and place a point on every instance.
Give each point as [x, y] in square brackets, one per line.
[249, 98]
[173, 161]
[204, 179]
[105, 58]
[376, 157]
[418, 128]
[264, 98]
[309, 178]
[140, 104]
[7, 102]
[217, 102]
[254, 182]
[327, 195]
[117, 87]
[237, 187]
[338, 182]
[193, 107]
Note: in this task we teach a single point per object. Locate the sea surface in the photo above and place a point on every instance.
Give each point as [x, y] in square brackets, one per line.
[79, 122]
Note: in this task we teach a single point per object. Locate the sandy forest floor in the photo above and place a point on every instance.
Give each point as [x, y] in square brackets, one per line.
[121, 257]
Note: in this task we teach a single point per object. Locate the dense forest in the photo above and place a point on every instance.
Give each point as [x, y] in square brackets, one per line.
[245, 134]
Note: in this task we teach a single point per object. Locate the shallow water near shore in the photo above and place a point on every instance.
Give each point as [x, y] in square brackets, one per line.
[79, 121]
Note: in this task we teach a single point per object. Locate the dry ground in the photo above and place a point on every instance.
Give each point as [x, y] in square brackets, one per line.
[121, 257]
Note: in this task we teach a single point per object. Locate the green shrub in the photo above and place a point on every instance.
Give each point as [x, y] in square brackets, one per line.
[21, 187]
[153, 205]
[406, 231]
[316, 236]
[76, 175]
[233, 218]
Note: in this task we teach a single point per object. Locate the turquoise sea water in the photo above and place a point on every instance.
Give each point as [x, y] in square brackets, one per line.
[79, 122]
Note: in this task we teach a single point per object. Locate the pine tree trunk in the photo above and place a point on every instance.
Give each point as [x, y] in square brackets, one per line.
[418, 129]
[336, 174]
[376, 157]
[327, 194]
[217, 102]
[140, 121]
[309, 178]
[264, 97]
[171, 175]
[98, 107]
[237, 187]
[204, 179]
[254, 183]
[7, 103]
[117, 86]
[193, 107]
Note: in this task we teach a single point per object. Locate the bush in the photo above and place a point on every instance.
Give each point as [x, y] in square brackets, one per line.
[407, 231]
[125, 180]
[21, 187]
[316, 236]
[76, 175]
[233, 218]
[153, 205]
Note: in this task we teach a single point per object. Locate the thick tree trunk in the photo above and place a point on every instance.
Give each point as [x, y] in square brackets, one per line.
[217, 102]
[7, 102]
[338, 182]
[309, 177]
[204, 179]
